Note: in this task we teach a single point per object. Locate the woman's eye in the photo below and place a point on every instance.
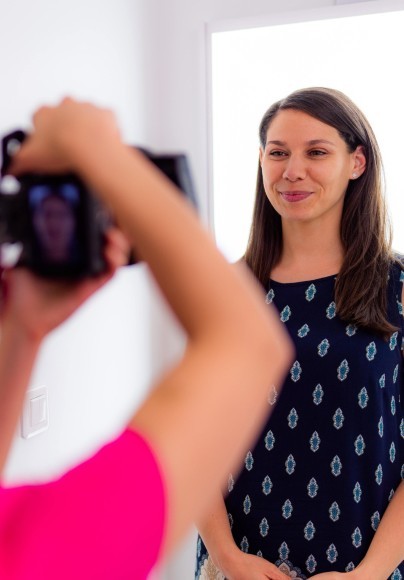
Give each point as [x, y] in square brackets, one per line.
[317, 152]
[277, 153]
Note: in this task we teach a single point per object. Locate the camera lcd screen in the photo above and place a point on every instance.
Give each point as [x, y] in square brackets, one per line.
[58, 243]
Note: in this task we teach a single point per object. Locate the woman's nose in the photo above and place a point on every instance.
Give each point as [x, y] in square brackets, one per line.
[295, 169]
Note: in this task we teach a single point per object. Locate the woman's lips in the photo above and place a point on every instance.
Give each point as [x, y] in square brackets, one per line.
[294, 196]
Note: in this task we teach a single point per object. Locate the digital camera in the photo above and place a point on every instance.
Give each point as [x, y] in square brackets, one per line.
[57, 222]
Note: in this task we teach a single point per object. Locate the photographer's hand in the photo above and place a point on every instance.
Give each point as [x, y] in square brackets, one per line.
[35, 306]
[57, 131]
[32, 307]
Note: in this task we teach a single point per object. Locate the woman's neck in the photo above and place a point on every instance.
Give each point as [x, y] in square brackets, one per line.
[308, 252]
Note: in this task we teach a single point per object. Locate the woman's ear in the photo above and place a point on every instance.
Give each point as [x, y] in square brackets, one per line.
[359, 159]
[261, 155]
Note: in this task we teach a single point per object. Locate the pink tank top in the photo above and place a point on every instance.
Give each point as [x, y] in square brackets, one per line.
[102, 520]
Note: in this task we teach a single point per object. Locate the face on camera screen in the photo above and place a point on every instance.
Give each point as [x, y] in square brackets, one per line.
[55, 214]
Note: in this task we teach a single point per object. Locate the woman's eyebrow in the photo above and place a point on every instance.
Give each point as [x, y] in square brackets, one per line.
[311, 142]
[319, 141]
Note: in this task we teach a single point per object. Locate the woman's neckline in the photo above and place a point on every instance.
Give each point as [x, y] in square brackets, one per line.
[301, 282]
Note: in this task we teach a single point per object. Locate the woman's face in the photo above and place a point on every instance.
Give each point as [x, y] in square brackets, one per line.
[54, 224]
[306, 168]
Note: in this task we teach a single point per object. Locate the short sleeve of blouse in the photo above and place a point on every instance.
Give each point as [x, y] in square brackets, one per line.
[103, 519]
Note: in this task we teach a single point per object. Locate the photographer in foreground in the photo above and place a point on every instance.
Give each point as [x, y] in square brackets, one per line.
[116, 514]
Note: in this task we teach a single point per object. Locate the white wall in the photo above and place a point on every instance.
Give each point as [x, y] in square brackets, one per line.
[90, 49]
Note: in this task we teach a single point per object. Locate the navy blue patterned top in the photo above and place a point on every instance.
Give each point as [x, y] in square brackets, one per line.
[312, 491]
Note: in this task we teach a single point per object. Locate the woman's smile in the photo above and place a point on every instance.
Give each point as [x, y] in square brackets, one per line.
[295, 196]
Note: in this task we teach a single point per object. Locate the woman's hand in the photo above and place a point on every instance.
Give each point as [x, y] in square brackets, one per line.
[250, 567]
[36, 305]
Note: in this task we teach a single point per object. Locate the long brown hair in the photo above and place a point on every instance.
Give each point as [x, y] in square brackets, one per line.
[360, 289]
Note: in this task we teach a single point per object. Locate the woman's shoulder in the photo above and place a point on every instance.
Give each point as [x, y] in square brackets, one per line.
[397, 266]
[396, 282]
[398, 259]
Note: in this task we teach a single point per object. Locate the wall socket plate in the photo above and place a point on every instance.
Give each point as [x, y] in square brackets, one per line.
[35, 414]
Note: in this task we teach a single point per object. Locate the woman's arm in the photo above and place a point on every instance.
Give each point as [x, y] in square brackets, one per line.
[203, 413]
[235, 349]
[234, 564]
[386, 550]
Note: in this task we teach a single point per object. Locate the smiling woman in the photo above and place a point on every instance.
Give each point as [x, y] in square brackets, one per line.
[328, 466]
[329, 178]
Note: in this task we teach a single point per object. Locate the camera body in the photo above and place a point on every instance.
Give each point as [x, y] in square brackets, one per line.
[58, 222]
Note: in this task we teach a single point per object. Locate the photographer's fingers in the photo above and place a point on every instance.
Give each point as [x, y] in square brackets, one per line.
[58, 132]
[35, 156]
[34, 153]
[117, 248]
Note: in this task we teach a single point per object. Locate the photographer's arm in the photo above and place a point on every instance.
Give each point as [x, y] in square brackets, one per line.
[204, 412]
[17, 356]
[233, 354]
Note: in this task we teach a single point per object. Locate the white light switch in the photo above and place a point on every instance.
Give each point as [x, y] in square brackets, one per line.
[38, 410]
[35, 415]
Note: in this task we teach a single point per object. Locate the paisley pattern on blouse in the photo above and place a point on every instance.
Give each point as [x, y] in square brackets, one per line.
[313, 490]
